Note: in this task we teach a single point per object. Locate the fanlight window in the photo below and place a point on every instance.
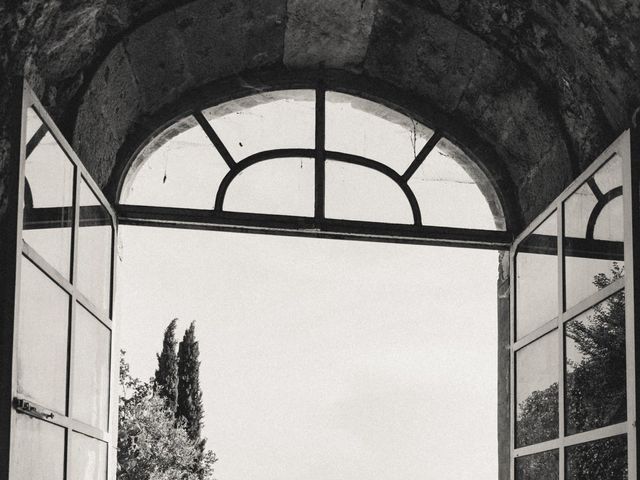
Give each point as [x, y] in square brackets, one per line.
[313, 154]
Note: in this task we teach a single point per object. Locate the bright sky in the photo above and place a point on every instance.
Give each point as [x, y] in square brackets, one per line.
[321, 359]
[324, 359]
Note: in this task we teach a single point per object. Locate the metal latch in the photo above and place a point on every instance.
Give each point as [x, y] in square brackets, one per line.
[23, 406]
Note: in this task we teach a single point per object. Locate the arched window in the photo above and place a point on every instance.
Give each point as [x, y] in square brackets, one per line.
[318, 156]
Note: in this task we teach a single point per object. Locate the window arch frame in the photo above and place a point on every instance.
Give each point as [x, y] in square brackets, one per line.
[493, 185]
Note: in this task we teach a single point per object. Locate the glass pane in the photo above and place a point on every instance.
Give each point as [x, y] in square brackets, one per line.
[602, 460]
[539, 466]
[283, 186]
[181, 168]
[88, 458]
[447, 188]
[92, 346]
[39, 450]
[33, 126]
[594, 232]
[361, 127]
[94, 249]
[284, 119]
[354, 192]
[537, 391]
[609, 219]
[596, 367]
[537, 278]
[42, 339]
[48, 207]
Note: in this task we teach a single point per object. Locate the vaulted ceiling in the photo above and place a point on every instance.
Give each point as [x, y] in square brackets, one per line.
[540, 87]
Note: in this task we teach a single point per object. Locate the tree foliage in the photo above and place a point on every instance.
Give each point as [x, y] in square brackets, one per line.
[166, 377]
[189, 407]
[189, 393]
[151, 444]
[538, 419]
[596, 385]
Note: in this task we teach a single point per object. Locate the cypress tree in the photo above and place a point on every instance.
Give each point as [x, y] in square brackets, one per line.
[166, 378]
[189, 405]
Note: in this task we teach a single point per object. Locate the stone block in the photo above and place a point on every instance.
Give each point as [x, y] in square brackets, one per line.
[107, 113]
[157, 56]
[331, 33]
[220, 39]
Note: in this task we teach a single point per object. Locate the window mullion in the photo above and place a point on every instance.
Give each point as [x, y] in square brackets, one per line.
[320, 153]
[631, 206]
[215, 139]
[72, 313]
[561, 346]
[422, 155]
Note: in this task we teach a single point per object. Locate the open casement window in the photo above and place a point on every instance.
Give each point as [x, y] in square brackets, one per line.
[573, 368]
[64, 419]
